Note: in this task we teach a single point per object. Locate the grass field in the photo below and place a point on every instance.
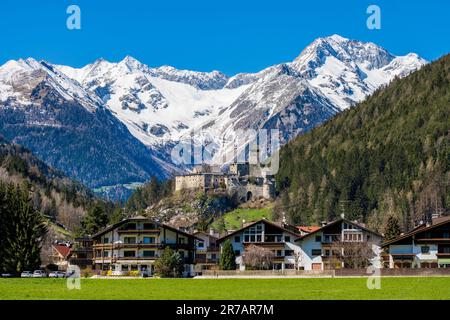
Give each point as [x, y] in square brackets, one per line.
[204, 289]
[233, 219]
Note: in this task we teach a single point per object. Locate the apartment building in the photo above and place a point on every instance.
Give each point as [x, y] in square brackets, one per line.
[135, 243]
[426, 246]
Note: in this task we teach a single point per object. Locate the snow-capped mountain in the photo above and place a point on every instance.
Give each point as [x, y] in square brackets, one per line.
[162, 106]
[330, 75]
[67, 126]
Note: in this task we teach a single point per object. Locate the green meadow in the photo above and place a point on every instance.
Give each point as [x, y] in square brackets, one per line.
[399, 288]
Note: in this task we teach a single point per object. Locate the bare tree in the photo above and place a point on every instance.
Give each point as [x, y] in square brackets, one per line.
[257, 258]
[353, 255]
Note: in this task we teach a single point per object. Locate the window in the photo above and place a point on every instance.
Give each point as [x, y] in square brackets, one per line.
[105, 254]
[425, 249]
[105, 240]
[148, 253]
[134, 267]
[288, 252]
[129, 226]
[446, 235]
[149, 226]
[124, 267]
[129, 240]
[318, 238]
[201, 244]
[181, 240]
[237, 253]
[129, 253]
[148, 240]
[287, 239]
[316, 252]
[328, 252]
[213, 256]
[279, 253]
[237, 239]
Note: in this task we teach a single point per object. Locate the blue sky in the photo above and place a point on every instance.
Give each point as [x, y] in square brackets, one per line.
[231, 36]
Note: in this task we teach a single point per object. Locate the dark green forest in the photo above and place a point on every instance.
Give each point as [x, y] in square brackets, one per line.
[389, 156]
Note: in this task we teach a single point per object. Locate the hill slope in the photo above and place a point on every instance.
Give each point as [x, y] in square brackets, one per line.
[61, 199]
[388, 155]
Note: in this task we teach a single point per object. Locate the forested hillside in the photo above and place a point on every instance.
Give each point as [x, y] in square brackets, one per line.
[59, 198]
[388, 156]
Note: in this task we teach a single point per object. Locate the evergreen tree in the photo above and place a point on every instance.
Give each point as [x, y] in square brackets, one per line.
[3, 225]
[117, 215]
[169, 264]
[227, 257]
[25, 228]
[95, 220]
[392, 228]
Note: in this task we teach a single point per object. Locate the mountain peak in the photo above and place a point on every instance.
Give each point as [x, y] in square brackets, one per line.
[336, 38]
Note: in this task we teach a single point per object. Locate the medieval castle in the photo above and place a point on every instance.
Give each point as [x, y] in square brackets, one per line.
[243, 179]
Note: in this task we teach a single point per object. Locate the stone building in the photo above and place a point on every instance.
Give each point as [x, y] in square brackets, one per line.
[238, 180]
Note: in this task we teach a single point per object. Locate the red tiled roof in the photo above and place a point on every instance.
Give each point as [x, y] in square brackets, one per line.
[62, 250]
[308, 228]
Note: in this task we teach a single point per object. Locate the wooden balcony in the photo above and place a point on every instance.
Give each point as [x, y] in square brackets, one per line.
[266, 244]
[134, 231]
[80, 261]
[204, 260]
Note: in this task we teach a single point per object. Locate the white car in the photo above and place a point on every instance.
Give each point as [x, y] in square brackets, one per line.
[39, 274]
[26, 274]
[57, 274]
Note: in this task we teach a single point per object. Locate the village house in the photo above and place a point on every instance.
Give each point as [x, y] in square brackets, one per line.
[82, 253]
[266, 234]
[317, 246]
[135, 243]
[207, 251]
[426, 246]
[60, 255]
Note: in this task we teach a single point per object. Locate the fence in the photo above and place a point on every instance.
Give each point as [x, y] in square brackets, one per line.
[267, 273]
[326, 273]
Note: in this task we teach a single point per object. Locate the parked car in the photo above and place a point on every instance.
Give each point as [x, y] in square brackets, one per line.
[57, 274]
[7, 275]
[26, 274]
[39, 274]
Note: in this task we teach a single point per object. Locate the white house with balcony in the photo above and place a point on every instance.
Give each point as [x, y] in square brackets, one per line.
[317, 246]
[278, 238]
[426, 246]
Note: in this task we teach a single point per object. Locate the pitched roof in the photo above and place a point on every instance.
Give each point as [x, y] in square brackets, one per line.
[336, 222]
[138, 218]
[62, 250]
[206, 234]
[436, 223]
[255, 222]
[308, 229]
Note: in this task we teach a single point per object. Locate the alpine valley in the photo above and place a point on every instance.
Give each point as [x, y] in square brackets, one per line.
[114, 124]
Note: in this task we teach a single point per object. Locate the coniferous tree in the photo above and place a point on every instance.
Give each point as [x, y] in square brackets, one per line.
[227, 257]
[3, 225]
[169, 264]
[25, 228]
[95, 220]
[392, 229]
